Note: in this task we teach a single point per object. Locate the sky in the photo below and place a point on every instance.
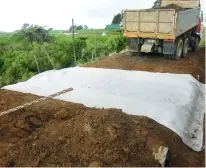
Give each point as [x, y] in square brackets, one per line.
[58, 14]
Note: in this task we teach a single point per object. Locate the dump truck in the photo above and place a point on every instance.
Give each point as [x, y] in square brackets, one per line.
[170, 28]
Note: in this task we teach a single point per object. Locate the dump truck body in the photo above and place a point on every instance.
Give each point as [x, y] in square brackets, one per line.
[153, 28]
[159, 23]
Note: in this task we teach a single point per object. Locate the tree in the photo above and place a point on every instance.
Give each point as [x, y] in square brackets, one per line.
[50, 29]
[32, 34]
[157, 4]
[117, 19]
[86, 27]
[80, 27]
[71, 28]
[25, 26]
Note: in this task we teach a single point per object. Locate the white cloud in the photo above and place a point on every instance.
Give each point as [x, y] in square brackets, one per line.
[58, 13]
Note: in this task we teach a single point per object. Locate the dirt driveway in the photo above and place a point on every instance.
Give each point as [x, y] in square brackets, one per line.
[193, 64]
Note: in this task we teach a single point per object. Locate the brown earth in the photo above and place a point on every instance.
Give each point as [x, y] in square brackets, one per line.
[58, 133]
[172, 6]
[193, 64]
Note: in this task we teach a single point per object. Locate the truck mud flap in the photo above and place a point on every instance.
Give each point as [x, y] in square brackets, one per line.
[133, 44]
[168, 48]
[147, 47]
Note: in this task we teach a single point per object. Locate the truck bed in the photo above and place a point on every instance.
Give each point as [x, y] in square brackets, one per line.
[163, 23]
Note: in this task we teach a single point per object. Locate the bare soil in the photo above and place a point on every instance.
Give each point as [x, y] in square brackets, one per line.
[58, 133]
[172, 6]
[193, 64]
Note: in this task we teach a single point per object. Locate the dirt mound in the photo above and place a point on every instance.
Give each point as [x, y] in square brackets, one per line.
[70, 136]
[57, 133]
[193, 64]
[172, 6]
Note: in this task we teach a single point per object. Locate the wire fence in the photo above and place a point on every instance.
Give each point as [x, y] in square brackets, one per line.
[82, 49]
[21, 62]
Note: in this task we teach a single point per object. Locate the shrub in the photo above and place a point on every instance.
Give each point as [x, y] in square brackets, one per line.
[17, 61]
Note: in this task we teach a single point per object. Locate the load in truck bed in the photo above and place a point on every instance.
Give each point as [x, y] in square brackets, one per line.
[172, 6]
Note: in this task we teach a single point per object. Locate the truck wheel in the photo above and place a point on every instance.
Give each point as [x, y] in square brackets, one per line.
[185, 47]
[178, 50]
[194, 43]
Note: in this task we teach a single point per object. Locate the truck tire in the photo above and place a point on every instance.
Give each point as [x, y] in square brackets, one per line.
[185, 47]
[178, 51]
[194, 41]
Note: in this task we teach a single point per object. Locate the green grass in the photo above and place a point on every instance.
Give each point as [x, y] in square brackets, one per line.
[202, 42]
[62, 38]
[85, 33]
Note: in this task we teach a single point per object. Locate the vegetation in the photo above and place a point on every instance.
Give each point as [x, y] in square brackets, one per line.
[79, 27]
[33, 49]
[202, 42]
[117, 19]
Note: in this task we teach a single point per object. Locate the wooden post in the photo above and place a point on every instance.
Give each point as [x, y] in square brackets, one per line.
[95, 45]
[37, 64]
[73, 42]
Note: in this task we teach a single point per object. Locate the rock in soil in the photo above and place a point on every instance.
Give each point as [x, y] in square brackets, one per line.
[95, 164]
[35, 121]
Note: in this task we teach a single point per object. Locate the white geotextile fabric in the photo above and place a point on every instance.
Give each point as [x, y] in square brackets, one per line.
[173, 100]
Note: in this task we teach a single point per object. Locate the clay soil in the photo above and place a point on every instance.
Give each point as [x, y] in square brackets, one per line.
[57, 133]
[172, 6]
[193, 64]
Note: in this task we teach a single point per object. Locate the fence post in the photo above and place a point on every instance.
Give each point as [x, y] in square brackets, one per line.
[73, 41]
[37, 64]
[95, 46]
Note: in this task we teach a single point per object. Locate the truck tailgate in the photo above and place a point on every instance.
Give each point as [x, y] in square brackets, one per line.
[152, 23]
[159, 23]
